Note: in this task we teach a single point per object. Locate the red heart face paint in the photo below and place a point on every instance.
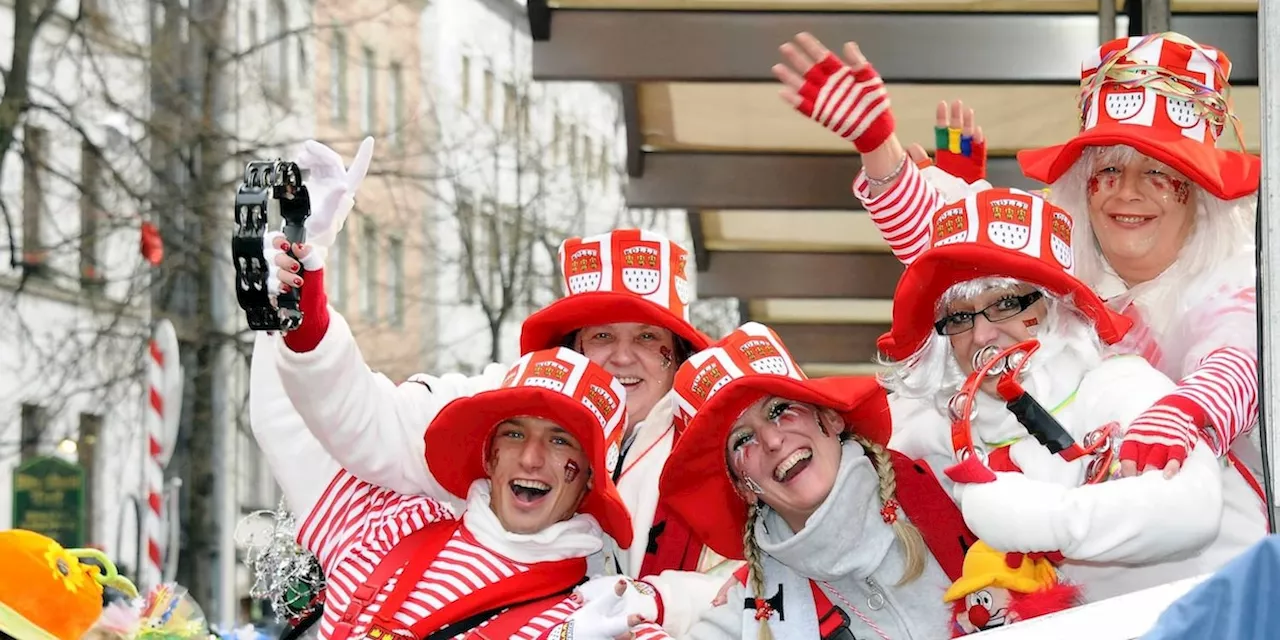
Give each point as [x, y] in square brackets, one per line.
[570, 470]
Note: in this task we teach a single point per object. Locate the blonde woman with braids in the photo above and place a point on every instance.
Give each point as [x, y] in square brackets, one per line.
[840, 535]
[1163, 218]
[997, 275]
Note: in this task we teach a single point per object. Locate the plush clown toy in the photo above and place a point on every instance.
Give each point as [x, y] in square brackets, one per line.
[998, 589]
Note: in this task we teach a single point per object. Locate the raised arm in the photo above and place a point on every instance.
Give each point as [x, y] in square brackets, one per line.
[301, 465]
[373, 427]
[847, 97]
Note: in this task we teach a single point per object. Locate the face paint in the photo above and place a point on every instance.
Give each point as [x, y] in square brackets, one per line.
[667, 360]
[1094, 186]
[570, 471]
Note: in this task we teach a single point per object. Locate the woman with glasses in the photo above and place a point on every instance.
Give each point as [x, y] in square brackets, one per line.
[997, 276]
[1164, 216]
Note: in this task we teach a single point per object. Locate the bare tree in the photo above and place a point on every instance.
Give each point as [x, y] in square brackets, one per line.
[148, 114]
[514, 187]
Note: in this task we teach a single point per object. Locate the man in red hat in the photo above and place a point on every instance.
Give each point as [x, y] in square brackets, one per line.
[999, 274]
[626, 310]
[1164, 217]
[529, 461]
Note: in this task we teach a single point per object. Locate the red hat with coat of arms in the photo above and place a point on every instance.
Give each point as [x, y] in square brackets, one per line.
[1001, 233]
[713, 387]
[1166, 96]
[628, 275]
[559, 385]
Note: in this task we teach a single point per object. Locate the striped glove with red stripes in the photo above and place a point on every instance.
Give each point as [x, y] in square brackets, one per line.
[1218, 402]
[852, 104]
[1163, 434]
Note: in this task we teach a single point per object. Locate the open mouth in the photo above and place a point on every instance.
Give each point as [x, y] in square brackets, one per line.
[528, 492]
[795, 463]
[1130, 220]
[630, 382]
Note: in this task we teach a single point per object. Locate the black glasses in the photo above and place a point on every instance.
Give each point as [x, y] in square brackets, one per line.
[998, 311]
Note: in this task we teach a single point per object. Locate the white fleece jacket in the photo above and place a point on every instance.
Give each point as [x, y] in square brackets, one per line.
[1121, 535]
[374, 429]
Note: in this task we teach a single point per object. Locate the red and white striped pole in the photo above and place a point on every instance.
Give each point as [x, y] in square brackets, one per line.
[164, 392]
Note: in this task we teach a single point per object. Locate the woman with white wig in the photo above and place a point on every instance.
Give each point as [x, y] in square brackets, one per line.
[997, 275]
[1163, 218]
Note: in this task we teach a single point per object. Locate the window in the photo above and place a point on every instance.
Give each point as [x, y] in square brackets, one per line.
[509, 104]
[557, 142]
[395, 120]
[35, 153]
[369, 94]
[525, 127]
[338, 77]
[337, 265]
[369, 257]
[466, 210]
[465, 82]
[90, 206]
[395, 276]
[573, 148]
[278, 32]
[33, 427]
[87, 452]
[491, 249]
[488, 89]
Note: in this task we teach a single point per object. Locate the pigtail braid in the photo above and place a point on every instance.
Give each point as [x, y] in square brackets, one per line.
[908, 535]
[755, 566]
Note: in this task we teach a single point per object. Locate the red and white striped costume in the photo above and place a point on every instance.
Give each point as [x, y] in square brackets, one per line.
[355, 525]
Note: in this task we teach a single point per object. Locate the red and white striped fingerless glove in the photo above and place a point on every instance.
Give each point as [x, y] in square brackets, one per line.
[1163, 433]
[1217, 401]
[852, 104]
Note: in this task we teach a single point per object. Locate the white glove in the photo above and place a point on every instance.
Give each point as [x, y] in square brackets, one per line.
[1016, 513]
[312, 261]
[332, 188]
[601, 617]
[639, 599]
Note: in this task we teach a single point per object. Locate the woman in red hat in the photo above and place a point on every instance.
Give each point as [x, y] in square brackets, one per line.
[1165, 217]
[528, 459]
[998, 274]
[839, 534]
[627, 310]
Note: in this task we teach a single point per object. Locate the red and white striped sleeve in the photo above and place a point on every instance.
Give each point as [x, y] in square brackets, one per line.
[903, 212]
[351, 509]
[1220, 396]
[648, 631]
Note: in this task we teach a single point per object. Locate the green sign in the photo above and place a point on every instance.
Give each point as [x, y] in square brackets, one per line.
[48, 498]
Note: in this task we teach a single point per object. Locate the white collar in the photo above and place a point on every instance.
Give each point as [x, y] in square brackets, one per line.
[577, 537]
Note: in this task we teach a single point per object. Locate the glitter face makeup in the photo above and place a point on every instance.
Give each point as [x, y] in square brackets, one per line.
[570, 470]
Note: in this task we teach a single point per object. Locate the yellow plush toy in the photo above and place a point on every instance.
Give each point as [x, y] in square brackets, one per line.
[997, 589]
[46, 593]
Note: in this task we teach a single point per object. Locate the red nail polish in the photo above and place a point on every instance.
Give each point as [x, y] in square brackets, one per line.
[294, 268]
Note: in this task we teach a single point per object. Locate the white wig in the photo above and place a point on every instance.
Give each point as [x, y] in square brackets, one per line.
[1220, 228]
[933, 372]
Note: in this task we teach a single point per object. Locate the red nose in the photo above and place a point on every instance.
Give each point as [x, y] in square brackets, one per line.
[979, 616]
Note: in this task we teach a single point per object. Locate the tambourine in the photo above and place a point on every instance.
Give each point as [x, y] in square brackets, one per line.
[1007, 365]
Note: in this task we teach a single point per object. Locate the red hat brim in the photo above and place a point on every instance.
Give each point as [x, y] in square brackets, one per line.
[696, 481]
[1224, 173]
[940, 268]
[456, 439]
[548, 327]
